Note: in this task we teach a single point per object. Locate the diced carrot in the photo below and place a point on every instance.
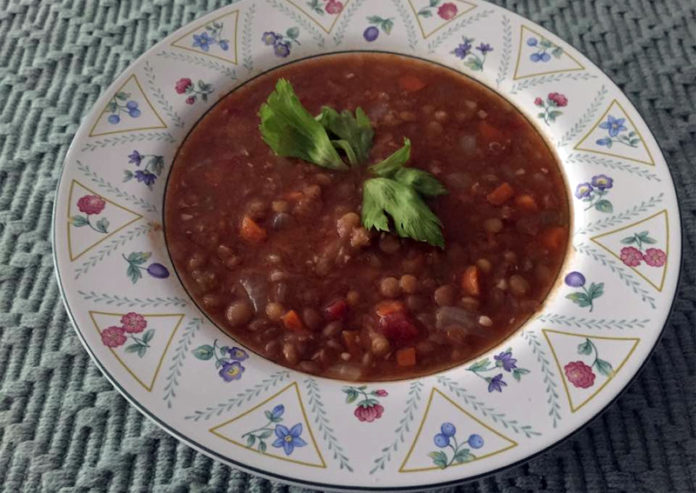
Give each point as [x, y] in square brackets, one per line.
[293, 195]
[291, 321]
[385, 308]
[501, 194]
[251, 231]
[470, 281]
[350, 339]
[526, 202]
[554, 238]
[411, 83]
[406, 356]
[489, 133]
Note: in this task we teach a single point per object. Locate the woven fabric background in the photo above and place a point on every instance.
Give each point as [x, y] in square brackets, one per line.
[64, 428]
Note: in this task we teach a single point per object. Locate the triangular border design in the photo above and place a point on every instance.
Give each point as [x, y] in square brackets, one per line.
[214, 429]
[434, 390]
[460, 14]
[519, 57]
[611, 154]
[202, 53]
[147, 100]
[109, 235]
[312, 19]
[664, 271]
[164, 353]
[573, 409]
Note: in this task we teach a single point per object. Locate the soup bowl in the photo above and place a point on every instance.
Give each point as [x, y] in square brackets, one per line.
[555, 373]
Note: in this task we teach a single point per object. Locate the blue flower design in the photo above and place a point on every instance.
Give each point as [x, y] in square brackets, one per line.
[114, 119]
[231, 371]
[496, 383]
[281, 49]
[613, 125]
[288, 439]
[475, 441]
[602, 182]
[237, 354]
[145, 177]
[583, 190]
[463, 50]
[278, 411]
[506, 360]
[224, 44]
[447, 439]
[269, 38]
[605, 141]
[202, 41]
[532, 41]
[484, 48]
[135, 158]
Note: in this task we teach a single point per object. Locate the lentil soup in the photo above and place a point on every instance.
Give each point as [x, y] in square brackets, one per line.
[273, 248]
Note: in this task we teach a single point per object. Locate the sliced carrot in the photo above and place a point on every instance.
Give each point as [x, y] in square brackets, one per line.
[385, 308]
[291, 321]
[554, 238]
[526, 202]
[350, 339]
[251, 231]
[411, 83]
[406, 356]
[489, 133]
[500, 195]
[470, 281]
[293, 195]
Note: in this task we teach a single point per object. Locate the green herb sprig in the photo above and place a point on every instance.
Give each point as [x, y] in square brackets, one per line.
[395, 191]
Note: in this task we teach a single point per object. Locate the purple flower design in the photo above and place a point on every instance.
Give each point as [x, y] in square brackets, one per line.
[231, 371]
[496, 383]
[227, 359]
[145, 177]
[288, 439]
[575, 279]
[602, 182]
[281, 49]
[463, 49]
[135, 158]
[505, 360]
[585, 297]
[583, 190]
[484, 48]
[237, 354]
[269, 38]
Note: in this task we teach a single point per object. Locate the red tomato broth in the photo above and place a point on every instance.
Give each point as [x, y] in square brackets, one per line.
[273, 251]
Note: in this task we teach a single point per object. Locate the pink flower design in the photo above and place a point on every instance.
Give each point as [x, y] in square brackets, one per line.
[447, 11]
[91, 204]
[558, 98]
[113, 336]
[334, 7]
[369, 413]
[182, 85]
[655, 257]
[133, 322]
[631, 256]
[579, 374]
[539, 102]
[190, 100]
[381, 393]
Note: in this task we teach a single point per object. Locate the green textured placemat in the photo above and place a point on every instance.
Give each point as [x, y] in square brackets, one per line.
[64, 428]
